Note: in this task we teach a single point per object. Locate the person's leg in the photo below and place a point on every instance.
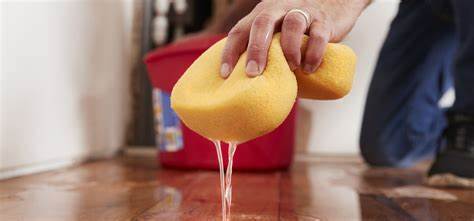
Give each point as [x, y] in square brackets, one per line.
[464, 57]
[402, 122]
[457, 156]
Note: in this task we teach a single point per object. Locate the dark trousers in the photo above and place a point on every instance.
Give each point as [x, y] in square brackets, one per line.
[429, 49]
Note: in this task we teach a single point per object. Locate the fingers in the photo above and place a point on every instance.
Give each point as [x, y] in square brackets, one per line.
[261, 34]
[293, 28]
[235, 46]
[318, 39]
[254, 33]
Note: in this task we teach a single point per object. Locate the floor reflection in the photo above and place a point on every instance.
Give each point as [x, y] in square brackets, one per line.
[351, 191]
[311, 195]
[313, 189]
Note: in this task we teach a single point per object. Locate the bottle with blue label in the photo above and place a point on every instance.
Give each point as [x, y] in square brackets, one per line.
[168, 132]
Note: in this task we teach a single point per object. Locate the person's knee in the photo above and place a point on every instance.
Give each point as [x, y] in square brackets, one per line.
[379, 151]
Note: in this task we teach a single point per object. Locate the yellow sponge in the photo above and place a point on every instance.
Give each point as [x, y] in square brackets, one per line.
[333, 78]
[240, 108]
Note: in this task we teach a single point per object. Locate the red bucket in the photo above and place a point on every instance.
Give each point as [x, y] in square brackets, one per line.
[179, 146]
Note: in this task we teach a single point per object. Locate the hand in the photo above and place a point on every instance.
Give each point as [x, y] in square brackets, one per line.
[329, 21]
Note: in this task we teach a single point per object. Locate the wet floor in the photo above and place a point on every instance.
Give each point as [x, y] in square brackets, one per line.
[319, 188]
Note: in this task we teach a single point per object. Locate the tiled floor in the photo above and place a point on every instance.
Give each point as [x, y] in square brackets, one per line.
[320, 188]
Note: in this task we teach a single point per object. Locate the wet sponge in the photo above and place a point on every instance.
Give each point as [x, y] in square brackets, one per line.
[240, 108]
[333, 78]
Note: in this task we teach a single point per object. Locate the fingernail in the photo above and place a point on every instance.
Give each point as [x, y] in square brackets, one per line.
[292, 66]
[225, 70]
[309, 68]
[252, 68]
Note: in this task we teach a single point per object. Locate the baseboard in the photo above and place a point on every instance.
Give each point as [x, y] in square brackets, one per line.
[140, 151]
[325, 157]
[54, 164]
[40, 167]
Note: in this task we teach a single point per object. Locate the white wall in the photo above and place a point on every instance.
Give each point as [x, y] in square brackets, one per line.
[335, 125]
[64, 81]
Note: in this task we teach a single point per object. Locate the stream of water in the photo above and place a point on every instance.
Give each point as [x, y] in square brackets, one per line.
[225, 177]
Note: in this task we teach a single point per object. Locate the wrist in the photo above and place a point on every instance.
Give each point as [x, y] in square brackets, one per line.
[342, 16]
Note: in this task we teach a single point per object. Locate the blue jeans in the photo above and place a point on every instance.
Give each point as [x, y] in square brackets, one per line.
[429, 49]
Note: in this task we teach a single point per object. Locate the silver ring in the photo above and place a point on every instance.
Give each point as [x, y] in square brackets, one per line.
[306, 15]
